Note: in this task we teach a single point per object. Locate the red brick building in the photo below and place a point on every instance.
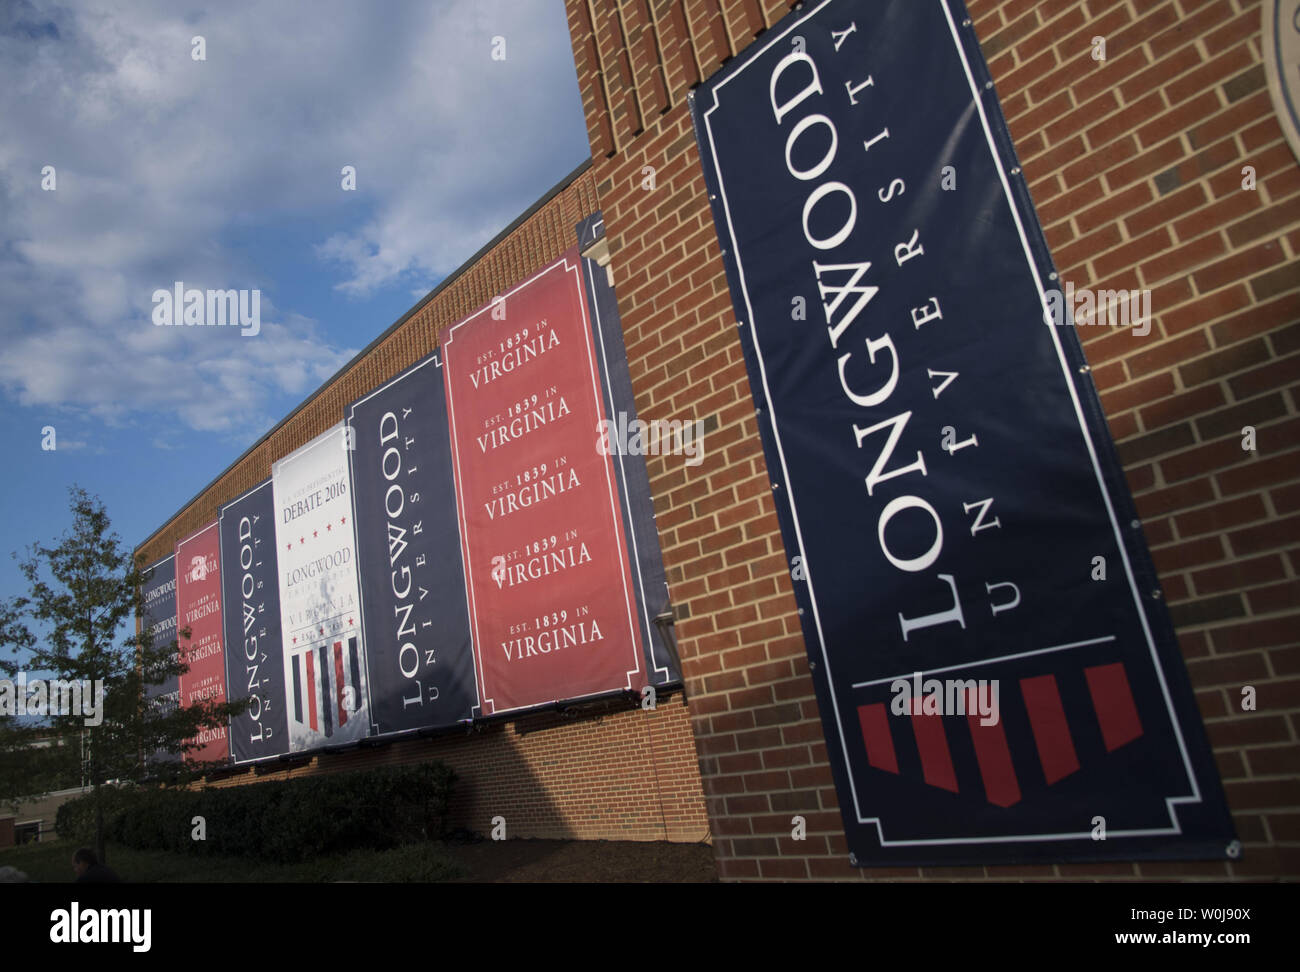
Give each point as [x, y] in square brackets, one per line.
[1137, 165]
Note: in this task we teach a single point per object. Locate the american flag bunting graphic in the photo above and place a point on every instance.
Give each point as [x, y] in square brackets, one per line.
[327, 690]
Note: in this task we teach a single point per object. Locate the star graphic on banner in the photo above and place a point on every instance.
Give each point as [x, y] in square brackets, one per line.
[343, 520]
[329, 526]
[295, 639]
[350, 621]
[302, 539]
[288, 546]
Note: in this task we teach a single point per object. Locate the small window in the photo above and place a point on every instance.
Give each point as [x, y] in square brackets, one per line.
[28, 832]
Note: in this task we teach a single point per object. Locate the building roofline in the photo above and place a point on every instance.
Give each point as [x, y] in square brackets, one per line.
[447, 281]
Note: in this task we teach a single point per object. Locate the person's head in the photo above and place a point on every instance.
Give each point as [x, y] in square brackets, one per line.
[83, 859]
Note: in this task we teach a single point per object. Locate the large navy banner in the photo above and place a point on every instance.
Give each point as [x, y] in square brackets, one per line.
[159, 592]
[413, 603]
[997, 675]
[662, 665]
[250, 601]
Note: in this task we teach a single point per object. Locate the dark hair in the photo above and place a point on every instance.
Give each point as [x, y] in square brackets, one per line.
[86, 856]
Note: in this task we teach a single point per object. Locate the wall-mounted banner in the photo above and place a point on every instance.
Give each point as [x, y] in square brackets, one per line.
[997, 675]
[198, 607]
[413, 601]
[320, 609]
[551, 594]
[629, 440]
[159, 616]
[251, 600]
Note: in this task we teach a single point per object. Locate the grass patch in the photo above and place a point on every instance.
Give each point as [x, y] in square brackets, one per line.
[51, 863]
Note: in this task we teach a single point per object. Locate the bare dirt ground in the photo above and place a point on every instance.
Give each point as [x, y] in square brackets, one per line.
[550, 861]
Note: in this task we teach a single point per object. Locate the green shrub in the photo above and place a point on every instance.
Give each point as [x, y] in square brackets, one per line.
[284, 820]
[75, 819]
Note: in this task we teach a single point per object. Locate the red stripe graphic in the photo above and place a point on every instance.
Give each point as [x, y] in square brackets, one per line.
[1113, 700]
[311, 690]
[875, 733]
[1000, 786]
[338, 680]
[936, 761]
[1051, 731]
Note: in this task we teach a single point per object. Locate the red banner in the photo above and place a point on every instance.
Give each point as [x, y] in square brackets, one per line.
[198, 607]
[546, 562]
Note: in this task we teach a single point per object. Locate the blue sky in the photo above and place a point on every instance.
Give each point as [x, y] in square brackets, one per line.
[225, 173]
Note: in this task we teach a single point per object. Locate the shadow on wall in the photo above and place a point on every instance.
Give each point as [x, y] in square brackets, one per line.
[603, 769]
[595, 772]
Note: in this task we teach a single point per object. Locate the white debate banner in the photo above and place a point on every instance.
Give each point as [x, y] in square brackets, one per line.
[324, 651]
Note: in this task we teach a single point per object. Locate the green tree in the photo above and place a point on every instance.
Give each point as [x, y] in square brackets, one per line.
[83, 597]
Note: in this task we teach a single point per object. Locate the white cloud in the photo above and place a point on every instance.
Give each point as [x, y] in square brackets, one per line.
[163, 162]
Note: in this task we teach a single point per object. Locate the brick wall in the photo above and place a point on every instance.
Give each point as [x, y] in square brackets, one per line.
[614, 772]
[1135, 165]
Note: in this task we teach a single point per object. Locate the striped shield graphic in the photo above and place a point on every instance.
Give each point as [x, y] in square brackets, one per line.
[328, 694]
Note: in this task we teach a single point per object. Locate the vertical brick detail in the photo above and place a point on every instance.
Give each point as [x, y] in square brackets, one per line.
[591, 84]
[624, 115]
[744, 21]
[709, 34]
[774, 10]
[680, 69]
[647, 67]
